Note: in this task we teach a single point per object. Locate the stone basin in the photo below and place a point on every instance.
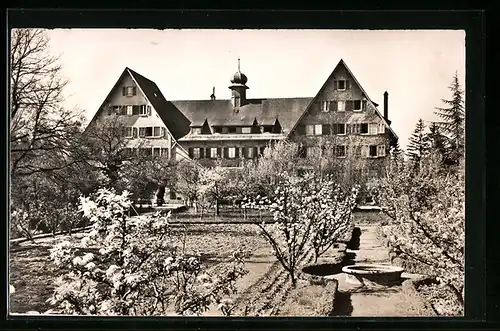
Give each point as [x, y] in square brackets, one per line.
[358, 274]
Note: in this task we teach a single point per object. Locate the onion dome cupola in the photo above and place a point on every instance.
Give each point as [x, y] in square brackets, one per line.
[238, 88]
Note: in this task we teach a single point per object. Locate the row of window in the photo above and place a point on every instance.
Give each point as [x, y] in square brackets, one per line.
[342, 128]
[225, 152]
[368, 151]
[144, 132]
[341, 106]
[237, 129]
[141, 110]
[154, 151]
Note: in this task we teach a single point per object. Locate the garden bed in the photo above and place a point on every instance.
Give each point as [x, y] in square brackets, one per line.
[33, 274]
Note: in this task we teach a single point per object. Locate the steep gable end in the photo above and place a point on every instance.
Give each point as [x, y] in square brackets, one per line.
[172, 117]
[341, 84]
[124, 89]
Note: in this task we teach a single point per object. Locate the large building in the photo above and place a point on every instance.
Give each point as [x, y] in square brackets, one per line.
[339, 123]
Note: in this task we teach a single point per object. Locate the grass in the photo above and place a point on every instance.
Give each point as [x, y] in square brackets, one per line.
[33, 278]
[33, 274]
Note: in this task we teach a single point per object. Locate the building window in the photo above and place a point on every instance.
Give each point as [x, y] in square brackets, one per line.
[130, 110]
[156, 151]
[372, 128]
[231, 129]
[217, 129]
[339, 128]
[232, 152]
[143, 110]
[129, 91]
[325, 106]
[196, 153]
[381, 150]
[128, 132]
[196, 130]
[151, 132]
[213, 152]
[267, 129]
[250, 152]
[357, 105]
[340, 151]
[318, 129]
[225, 129]
[373, 151]
[340, 105]
[309, 130]
[164, 152]
[364, 128]
[246, 130]
[381, 128]
[341, 85]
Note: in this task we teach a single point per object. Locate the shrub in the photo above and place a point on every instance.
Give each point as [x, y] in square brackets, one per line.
[427, 207]
[127, 266]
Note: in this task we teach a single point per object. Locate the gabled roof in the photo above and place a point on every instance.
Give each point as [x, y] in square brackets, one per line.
[366, 95]
[341, 62]
[265, 111]
[176, 122]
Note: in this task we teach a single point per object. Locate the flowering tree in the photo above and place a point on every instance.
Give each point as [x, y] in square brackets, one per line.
[212, 184]
[308, 213]
[427, 208]
[128, 266]
[331, 212]
[290, 232]
[187, 176]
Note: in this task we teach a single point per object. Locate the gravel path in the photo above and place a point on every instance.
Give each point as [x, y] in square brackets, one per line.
[375, 300]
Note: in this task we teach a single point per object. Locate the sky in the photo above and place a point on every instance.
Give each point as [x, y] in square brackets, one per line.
[414, 66]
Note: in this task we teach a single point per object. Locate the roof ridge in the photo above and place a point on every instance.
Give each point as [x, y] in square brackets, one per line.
[133, 72]
[281, 98]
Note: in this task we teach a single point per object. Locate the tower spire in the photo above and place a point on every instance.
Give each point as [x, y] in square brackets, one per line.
[238, 64]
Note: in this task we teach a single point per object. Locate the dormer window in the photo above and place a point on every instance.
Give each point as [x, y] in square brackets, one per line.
[246, 130]
[268, 128]
[196, 130]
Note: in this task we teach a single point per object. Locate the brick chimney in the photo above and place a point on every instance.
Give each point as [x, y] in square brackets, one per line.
[386, 107]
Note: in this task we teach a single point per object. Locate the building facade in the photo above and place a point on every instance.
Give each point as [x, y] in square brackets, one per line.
[340, 125]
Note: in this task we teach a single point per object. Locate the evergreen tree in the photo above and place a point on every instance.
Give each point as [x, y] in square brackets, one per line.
[418, 144]
[437, 141]
[452, 122]
[397, 154]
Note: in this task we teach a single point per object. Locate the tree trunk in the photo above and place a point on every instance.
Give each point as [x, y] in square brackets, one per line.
[292, 277]
[160, 196]
[217, 211]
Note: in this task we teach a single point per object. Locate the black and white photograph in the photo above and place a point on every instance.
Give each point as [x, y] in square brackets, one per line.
[237, 173]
